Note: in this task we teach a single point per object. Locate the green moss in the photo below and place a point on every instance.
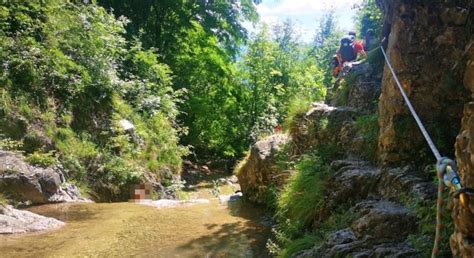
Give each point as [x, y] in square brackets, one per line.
[303, 243]
[339, 219]
[296, 107]
[9, 144]
[376, 59]
[345, 87]
[3, 200]
[368, 127]
[42, 159]
[425, 211]
[302, 197]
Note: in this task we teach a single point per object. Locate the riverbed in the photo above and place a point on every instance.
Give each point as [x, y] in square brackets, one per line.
[211, 229]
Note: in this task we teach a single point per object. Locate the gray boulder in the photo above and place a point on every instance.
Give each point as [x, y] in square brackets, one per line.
[383, 220]
[23, 182]
[20, 221]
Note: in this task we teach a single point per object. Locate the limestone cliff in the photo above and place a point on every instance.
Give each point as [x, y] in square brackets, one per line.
[462, 243]
[431, 45]
[427, 47]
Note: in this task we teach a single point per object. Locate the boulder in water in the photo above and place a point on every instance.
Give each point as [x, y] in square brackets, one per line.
[20, 221]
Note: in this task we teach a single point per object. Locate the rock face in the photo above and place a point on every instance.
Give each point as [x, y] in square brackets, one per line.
[25, 183]
[19, 221]
[426, 47]
[380, 232]
[462, 244]
[323, 125]
[381, 225]
[258, 173]
[364, 89]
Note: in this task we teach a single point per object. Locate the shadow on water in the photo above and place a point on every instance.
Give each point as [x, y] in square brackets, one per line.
[67, 211]
[244, 238]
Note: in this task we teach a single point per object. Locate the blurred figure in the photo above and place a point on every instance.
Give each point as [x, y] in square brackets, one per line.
[369, 40]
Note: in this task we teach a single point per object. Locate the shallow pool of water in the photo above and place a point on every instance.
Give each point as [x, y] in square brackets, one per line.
[128, 229]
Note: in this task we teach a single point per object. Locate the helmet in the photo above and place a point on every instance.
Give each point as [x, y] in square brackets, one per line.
[347, 40]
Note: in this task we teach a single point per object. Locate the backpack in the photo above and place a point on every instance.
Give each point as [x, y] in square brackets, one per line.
[347, 49]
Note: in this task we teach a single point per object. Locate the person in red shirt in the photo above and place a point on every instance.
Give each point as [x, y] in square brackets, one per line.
[349, 51]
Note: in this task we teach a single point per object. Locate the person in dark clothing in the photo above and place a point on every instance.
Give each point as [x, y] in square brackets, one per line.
[369, 40]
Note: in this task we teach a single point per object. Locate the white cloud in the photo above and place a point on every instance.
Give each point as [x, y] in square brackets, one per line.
[302, 7]
[305, 13]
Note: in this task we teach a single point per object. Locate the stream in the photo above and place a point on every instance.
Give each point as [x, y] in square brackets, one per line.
[214, 229]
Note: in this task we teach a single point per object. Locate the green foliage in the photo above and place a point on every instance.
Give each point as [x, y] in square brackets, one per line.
[68, 78]
[299, 204]
[9, 144]
[162, 24]
[299, 201]
[296, 107]
[302, 197]
[3, 200]
[369, 17]
[368, 126]
[325, 45]
[42, 159]
[425, 211]
[345, 87]
[375, 58]
[277, 73]
[303, 243]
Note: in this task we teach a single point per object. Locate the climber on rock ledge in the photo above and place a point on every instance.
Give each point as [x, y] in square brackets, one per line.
[347, 53]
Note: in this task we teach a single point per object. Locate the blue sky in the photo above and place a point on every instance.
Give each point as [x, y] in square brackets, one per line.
[306, 13]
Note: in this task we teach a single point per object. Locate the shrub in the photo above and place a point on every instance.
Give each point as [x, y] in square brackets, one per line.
[3, 200]
[300, 201]
[368, 126]
[296, 106]
[42, 159]
[425, 211]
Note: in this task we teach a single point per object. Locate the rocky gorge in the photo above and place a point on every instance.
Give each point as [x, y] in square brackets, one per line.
[350, 176]
[380, 166]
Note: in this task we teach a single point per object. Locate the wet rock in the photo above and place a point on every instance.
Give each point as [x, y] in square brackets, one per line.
[258, 172]
[26, 183]
[383, 220]
[224, 199]
[19, 221]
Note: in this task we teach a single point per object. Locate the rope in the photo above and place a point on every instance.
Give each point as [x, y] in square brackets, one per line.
[439, 159]
[412, 110]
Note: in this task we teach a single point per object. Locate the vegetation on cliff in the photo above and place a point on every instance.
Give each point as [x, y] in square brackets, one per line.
[98, 89]
[68, 79]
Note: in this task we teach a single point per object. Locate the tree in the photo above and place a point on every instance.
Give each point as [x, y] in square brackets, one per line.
[325, 45]
[369, 17]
